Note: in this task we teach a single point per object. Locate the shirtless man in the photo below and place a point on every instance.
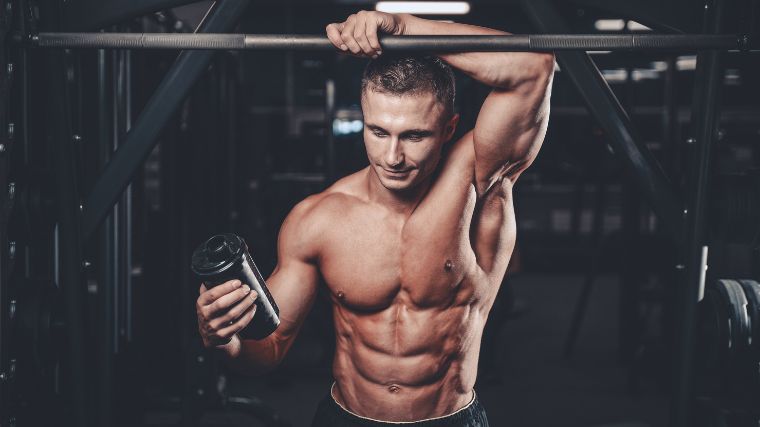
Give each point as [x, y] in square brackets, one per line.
[413, 247]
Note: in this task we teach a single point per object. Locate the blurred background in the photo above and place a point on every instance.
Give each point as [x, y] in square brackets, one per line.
[582, 333]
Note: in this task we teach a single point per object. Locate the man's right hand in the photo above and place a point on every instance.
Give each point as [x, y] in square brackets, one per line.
[223, 311]
[358, 33]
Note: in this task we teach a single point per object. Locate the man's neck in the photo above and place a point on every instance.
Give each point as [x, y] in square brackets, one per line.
[400, 202]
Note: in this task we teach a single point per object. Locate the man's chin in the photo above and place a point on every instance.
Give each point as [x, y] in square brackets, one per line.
[395, 185]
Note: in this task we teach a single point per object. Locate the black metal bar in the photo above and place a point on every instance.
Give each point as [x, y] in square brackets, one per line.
[708, 84]
[105, 242]
[142, 137]
[518, 42]
[592, 272]
[71, 277]
[605, 107]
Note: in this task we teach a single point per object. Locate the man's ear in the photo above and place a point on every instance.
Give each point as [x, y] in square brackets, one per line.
[451, 126]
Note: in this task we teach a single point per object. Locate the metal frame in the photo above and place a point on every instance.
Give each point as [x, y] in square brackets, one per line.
[141, 139]
[693, 243]
[71, 277]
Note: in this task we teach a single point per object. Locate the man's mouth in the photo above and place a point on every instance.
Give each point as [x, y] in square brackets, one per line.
[396, 173]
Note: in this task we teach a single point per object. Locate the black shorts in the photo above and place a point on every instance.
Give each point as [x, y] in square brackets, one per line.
[331, 414]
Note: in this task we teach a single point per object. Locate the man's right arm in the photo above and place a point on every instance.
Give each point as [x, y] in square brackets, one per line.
[293, 285]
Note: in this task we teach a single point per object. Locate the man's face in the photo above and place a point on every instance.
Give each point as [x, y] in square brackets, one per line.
[404, 136]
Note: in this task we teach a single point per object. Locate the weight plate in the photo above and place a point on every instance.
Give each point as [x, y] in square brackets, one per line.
[738, 315]
[752, 291]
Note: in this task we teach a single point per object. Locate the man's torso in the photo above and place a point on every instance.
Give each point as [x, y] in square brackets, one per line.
[411, 294]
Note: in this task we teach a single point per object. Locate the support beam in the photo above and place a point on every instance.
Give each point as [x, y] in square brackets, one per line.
[142, 137]
[605, 107]
[708, 85]
[76, 377]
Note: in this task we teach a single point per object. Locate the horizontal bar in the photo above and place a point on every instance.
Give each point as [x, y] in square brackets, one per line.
[514, 43]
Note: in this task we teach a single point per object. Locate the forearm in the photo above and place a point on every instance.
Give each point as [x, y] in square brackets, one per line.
[496, 69]
[252, 357]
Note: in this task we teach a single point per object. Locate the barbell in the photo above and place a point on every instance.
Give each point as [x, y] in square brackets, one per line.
[486, 43]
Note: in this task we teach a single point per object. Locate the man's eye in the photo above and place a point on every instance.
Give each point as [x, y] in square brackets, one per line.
[414, 137]
[380, 134]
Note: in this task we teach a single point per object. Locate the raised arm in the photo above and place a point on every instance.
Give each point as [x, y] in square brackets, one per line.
[293, 285]
[512, 121]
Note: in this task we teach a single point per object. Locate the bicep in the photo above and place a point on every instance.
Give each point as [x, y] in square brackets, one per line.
[509, 131]
[293, 283]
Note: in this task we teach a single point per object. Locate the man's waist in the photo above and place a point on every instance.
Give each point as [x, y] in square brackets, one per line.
[399, 403]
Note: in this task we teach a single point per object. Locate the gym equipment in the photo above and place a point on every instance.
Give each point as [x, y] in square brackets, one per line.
[523, 42]
[752, 293]
[728, 330]
[225, 257]
[728, 354]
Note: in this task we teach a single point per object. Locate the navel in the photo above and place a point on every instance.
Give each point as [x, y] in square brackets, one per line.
[393, 388]
[448, 266]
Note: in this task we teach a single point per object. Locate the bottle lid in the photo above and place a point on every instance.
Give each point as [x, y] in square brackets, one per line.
[217, 254]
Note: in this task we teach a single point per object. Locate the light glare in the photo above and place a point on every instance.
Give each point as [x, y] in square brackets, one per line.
[686, 63]
[424, 7]
[609, 24]
[636, 26]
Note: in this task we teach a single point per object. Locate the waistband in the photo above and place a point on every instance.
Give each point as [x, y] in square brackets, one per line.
[454, 414]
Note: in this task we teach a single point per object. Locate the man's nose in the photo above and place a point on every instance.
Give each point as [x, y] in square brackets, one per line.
[395, 155]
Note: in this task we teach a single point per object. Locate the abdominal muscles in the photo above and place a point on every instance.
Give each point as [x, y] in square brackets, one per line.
[405, 363]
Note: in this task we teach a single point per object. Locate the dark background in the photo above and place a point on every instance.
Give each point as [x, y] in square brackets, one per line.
[254, 137]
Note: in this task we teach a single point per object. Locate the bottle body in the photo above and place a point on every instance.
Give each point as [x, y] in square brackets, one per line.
[225, 257]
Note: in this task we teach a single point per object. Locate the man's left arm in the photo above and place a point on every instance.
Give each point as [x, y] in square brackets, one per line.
[512, 121]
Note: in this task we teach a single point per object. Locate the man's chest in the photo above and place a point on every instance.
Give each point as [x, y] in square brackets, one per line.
[368, 261]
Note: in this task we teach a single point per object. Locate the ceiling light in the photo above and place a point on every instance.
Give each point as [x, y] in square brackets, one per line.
[609, 24]
[424, 7]
[686, 62]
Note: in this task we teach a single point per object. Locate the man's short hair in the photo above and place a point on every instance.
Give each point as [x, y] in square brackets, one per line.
[411, 75]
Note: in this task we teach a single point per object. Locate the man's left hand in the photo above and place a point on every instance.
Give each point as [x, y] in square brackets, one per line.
[358, 33]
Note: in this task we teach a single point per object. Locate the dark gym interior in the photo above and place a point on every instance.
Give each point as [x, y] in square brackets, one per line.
[115, 164]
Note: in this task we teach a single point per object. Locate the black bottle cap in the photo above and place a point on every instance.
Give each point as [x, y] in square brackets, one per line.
[217, 254]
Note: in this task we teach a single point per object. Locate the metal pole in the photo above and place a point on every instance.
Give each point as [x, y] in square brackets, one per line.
[705, 115]
[142, 137]
[71, 278]
[606, 108]
[514, 42]
[106, 243]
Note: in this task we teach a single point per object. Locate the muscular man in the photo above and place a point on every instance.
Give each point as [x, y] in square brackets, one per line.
[413, 247]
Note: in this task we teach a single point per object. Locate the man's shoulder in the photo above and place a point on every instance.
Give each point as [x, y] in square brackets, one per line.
[334, 200]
